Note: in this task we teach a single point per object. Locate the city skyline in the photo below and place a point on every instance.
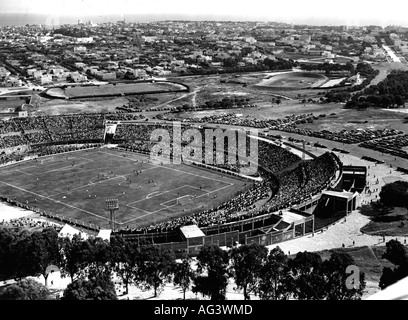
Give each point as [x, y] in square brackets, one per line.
[314, 12]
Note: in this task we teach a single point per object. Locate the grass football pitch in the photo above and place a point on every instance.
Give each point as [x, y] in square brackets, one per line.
[75, 185]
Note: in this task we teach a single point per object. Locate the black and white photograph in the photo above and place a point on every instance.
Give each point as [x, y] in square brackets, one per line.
[201, 158]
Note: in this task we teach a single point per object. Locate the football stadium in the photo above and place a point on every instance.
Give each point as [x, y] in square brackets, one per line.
[294, 80]
[113, 89]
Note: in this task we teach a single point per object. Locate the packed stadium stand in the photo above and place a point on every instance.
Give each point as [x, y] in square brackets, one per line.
[287, 180]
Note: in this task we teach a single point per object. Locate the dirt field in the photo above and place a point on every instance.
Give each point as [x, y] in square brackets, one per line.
[60, 107]
[294, 80]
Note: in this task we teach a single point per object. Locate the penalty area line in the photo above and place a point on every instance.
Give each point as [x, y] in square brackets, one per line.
[57, 201]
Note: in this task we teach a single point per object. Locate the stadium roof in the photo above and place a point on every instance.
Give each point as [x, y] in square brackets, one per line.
[192, 231]
[342, 194]
[68, 231]
[104, 234]
[291, 217]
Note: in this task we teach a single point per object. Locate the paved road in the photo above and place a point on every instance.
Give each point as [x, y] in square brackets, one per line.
[392, 54]
[385, 68]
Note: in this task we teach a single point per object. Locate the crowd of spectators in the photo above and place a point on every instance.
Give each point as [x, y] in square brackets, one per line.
[14, 140]
[51, 129]
[11, 157]
[29, 223]
[275, 158]
[29, 123]
[123, 116]
[142, 147]
[8, 127]
[139, 131]
[42, 150]
[390, 145]
[309, 178]
[270, 156]
[37, 137]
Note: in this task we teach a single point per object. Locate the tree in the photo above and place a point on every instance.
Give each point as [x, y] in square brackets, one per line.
[388, 277]
[8, 257]
[126, 259]
[336, 278]
[350, 67]
[98, 286]
[38, 251]
[395, 194]
[75, 256]
[213, 261]
[100, 255]
[399, 100]
[247, 262]
[274, 281]
[308, 282]
[25, 289]
[397, 254]
[50, 256]
[183, 274]
[157, 268]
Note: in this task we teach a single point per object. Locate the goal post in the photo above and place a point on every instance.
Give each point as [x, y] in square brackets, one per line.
[183, 199]
[46, 160]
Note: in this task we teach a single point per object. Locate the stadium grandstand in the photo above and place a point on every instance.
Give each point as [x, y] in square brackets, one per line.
[288, 184]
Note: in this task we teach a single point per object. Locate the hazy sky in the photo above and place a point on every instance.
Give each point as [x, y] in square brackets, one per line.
[350, 12]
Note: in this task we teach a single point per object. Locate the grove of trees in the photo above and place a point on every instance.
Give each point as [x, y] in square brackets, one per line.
[397, 254]
[25, 289]
[395, 194]
[91, 264]
[390, 92]
[329, 67]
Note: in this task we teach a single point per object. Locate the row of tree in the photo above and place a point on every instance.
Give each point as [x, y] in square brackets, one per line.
[91, 263]
[390, 92]
[69, 32]
[226, 103]
[329, 67]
